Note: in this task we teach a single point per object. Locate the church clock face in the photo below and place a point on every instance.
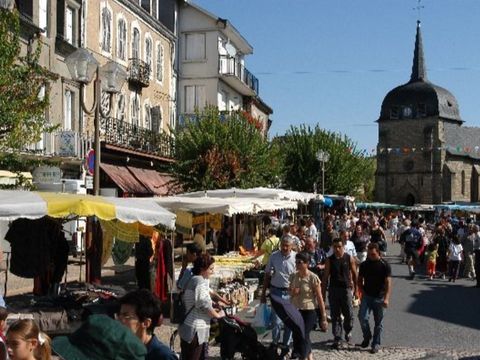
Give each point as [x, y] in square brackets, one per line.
[407, 112]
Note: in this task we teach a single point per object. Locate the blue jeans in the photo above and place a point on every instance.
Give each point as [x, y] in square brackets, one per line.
[277, 322]
[375, 305]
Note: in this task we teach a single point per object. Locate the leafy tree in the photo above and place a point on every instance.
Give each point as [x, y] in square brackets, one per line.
[348, 170]
[217, 151]
[22, 106]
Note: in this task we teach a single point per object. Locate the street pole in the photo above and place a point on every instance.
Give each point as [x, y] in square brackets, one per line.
[323, 177]
[96, 124]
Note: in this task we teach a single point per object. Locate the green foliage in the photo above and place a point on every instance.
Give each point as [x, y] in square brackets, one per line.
[218, 151]
[348, 170]
[22, 110]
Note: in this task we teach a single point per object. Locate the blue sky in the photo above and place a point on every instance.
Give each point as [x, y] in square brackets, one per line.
[332, 62]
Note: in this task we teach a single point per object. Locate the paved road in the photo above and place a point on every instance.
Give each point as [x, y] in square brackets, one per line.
[426, 320]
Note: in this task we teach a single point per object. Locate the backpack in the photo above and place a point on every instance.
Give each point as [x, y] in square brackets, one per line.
[413, 239]
[179, 310]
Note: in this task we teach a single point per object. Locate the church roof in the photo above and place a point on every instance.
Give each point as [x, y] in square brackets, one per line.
[459, 138]
[419, 97]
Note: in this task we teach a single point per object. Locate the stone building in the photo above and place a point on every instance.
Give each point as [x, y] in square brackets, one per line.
[424, 153]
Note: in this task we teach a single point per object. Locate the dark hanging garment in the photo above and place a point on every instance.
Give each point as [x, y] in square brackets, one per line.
[143, 253]
[33, 243]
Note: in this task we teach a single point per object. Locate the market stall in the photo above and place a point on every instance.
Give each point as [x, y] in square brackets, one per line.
[39, 248]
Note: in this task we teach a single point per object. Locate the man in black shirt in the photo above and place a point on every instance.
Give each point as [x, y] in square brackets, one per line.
[375, 283]
[341, 277]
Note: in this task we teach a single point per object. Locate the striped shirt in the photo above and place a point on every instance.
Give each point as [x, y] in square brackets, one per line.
[196, 295]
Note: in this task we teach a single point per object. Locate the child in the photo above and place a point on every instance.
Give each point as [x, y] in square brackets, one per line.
[26, 342]
[454, 257]
[431, 257]
[3, 339]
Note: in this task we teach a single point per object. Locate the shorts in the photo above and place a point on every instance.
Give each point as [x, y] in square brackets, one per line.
[411, 254]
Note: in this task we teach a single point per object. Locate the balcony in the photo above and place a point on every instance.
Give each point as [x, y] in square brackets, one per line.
[63, 144]
[138, 72]
[235, 74]
[134, 137]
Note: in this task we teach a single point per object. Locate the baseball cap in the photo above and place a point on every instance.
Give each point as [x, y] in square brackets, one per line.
[100, 338]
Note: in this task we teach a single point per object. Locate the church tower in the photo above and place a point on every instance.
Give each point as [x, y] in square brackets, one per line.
[418, 120]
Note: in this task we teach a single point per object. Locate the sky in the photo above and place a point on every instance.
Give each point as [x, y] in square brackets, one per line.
[332, 62]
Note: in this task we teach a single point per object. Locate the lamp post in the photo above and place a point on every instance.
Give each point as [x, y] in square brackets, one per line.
[7, 4]
[83, 67]
[323, 157]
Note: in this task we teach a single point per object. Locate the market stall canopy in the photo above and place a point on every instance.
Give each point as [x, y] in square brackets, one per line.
[475, 209]
[15, 204]
[378, 205]
[256, 193]
[224, 206]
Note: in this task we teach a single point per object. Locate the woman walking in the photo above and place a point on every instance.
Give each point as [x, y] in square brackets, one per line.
[306, 295]
[454, 257]
[195, 330]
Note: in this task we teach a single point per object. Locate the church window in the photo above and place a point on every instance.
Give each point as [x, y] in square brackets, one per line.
[407, 112]
[449, 103]
[392, 181]
[421, 110]
[428, 136]
[463, 182]
[394, 112]
[408, 165]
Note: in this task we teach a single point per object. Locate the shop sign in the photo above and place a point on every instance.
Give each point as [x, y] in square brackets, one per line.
[88, 182]
[67, 143]
[47, 174]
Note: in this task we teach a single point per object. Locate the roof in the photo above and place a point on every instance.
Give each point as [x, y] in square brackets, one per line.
[419, 92]
[457, 138]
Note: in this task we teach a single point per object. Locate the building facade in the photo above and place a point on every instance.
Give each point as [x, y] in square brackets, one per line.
[424, 153]
[212, 69]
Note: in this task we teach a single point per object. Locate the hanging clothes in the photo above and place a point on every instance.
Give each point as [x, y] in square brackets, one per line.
[121, 251]
[143, 253]
[160, 281]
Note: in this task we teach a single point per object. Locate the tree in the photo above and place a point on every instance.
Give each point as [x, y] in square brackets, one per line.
[24, 90]
[218, 151]
[348, 170]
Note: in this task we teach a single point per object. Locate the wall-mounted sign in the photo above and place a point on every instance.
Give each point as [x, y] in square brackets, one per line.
[47, 174]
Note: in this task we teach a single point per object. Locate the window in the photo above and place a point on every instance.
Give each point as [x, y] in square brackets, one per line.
[147, 117]
[69, 21]
[120, 107]
[194, 98]
[68, 110]
[146, 5]
[160, 62]
[394, 112]
[463, 182]
[106, 29]
[122, 39]
[136, 44]
[195, 47]
[421, 110]
[135, 110]
[43, 14]
[148, 53]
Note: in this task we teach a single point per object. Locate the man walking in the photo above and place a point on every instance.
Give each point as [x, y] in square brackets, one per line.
[277, 279]
[341, 277]
[375, 283]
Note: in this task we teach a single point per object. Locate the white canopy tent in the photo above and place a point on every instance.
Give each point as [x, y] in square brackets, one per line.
[16, 204]
[256, 193]
[225, 206]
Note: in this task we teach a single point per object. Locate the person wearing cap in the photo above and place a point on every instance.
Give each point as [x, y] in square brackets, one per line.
[100, 338]
[277, 280]
[140, 311]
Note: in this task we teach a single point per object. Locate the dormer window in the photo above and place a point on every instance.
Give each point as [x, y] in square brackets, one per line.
[394, 113]
[421, 110]
[407, 112]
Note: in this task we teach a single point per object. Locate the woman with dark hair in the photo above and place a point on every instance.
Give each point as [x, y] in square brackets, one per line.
[195, 330]
[306, 295]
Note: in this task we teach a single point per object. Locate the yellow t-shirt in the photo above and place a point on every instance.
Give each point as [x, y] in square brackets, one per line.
[268, 247]
[306, 299]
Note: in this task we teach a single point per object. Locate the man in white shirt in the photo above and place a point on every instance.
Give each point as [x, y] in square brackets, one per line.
[312, 229]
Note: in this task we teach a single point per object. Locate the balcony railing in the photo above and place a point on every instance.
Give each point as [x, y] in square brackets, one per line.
[229, 65]
[121, 133]
[138, 72]
[66, 143]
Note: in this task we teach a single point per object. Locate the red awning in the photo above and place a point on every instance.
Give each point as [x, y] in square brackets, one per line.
[124, 179]
[159, 184]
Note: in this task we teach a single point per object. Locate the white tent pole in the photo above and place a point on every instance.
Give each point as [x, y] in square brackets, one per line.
[234, 232]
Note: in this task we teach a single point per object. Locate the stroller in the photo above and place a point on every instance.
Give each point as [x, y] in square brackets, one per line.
[237, 336]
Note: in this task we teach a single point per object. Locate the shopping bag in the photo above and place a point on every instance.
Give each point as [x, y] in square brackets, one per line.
[262, 318]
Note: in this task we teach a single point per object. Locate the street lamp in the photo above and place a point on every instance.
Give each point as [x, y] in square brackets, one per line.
[83, 66]
[7, 4]
[323, 157]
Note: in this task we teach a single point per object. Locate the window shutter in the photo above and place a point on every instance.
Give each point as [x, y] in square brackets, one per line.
[156, 119]
[69, 25]
[43, 14]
